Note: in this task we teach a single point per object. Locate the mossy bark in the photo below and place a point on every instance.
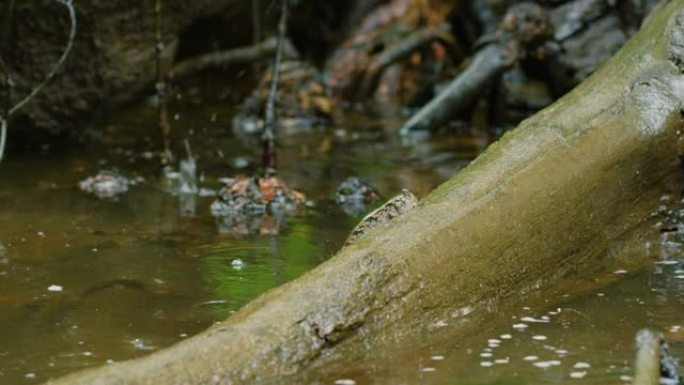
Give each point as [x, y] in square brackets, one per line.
[550, 196]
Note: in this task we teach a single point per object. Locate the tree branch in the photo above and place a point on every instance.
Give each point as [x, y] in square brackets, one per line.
[259, 51]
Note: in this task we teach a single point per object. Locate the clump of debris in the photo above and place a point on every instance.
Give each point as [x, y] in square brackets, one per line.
[247, 205]
[354, 196]
[105, 184]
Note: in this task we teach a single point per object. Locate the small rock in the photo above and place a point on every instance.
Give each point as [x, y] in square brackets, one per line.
[105, 184]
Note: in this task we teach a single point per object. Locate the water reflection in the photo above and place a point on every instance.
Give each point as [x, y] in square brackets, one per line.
[141, 272]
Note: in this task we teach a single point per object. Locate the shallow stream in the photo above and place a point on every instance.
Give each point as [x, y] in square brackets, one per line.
[85, 281]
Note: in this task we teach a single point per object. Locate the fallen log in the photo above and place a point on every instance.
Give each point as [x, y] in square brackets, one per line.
[549, 197]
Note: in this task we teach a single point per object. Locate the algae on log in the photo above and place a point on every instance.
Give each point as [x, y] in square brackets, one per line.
[548, 197]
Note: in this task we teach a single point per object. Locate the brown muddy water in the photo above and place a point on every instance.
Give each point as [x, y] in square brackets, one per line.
[84, 282]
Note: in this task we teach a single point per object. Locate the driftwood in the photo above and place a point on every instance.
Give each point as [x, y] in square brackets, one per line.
[260, 51]
[522, 33]
[400, 51]
[544, 202]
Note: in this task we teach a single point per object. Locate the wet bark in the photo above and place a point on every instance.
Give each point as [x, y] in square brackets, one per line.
[548, 198]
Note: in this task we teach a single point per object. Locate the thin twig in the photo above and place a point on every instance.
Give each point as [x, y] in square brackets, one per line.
[268, 138]
[163, 117]
[70, 44]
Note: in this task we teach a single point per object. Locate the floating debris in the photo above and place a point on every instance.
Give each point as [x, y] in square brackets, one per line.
[530, 358]
[578, 374]
[581, 365]
[539, 338]
[239, 162]
[250, 196]
[345, 381]
[237, 264]
[247, 205]
[139, 344]
[437, 358]
[428, 369]
[105, 184]
[354, 195]
[543, 319]
[486, 364]
[546, 364]
[55, 288]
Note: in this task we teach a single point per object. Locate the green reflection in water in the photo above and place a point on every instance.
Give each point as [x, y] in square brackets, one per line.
[264, 263]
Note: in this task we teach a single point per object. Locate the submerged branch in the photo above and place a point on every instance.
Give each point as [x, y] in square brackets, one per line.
[258, 51]
[268, 138]
[70, 43]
